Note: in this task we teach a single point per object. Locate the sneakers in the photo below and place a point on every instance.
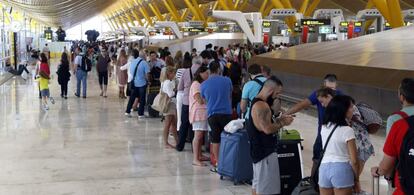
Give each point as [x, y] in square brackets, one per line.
[45, 107]
[127, 115]
[52, 100]
[141, 116]
[77, 95]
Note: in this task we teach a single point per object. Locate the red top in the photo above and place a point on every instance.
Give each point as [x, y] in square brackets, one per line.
[45, 68]
[392, 147]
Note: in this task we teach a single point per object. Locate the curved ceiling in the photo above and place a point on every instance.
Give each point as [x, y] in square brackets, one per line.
[67, 13]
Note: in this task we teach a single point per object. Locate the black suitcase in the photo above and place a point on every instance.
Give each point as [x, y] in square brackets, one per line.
[290, 164]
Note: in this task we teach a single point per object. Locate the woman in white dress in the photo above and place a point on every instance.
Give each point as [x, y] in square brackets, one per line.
[168, 86]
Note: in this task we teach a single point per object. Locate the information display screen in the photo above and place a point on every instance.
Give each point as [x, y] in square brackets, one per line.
[316, 22]
[325, 30]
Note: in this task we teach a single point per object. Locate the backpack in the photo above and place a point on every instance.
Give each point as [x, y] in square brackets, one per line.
[258, 81]
[370, 118]
[155, 73]
[406, 159]
[86, 64]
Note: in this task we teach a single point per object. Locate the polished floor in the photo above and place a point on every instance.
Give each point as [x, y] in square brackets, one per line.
[88, 147]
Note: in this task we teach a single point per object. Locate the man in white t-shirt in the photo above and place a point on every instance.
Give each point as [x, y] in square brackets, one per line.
[81, 75]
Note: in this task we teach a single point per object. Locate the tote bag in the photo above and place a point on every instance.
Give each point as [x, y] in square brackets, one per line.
[161, 102]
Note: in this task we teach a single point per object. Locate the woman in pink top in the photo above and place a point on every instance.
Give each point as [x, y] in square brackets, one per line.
[198, 114]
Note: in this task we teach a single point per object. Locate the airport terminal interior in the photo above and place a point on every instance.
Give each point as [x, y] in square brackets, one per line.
[211, 97]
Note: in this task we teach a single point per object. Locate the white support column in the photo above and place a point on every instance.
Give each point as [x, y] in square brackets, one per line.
[174, 27]
[241, 20]
[141, 29]
[256, 18]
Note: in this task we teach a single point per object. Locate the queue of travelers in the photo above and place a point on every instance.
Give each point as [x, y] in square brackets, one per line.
[204, 91]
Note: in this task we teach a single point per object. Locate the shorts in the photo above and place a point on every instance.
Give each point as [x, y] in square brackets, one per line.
[266, 175]
[200, 126]
[217, 122]
[45, 93]
[336, 175]
[103, 78]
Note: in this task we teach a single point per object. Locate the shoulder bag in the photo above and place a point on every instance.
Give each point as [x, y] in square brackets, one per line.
[161, 101]
[131, 84]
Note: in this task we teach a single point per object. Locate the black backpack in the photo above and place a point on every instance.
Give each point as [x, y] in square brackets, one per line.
[86, 64]
[406, 159]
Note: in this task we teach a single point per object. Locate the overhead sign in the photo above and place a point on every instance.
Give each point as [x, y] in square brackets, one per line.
[48, 34]
[344, 24]
[266, 24]
[316, 22]
[194, 30]
[357, 24]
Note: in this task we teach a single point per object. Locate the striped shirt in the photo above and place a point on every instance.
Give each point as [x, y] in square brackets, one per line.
[179, 73]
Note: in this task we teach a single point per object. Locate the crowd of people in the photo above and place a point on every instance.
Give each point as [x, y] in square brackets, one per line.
[204, 91]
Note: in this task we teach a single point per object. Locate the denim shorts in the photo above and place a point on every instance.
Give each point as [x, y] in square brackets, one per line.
[336, 175]
[45, 93]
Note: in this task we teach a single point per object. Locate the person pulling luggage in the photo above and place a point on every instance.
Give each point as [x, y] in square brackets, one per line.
[262, 133]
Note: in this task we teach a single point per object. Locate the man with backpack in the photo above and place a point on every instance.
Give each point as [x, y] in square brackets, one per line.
[251, 88]
[82, 65]
[398, 160]
[407, 110]
[262, 131]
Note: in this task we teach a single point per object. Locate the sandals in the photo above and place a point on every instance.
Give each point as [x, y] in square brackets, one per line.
[199, 164]
[204, 158]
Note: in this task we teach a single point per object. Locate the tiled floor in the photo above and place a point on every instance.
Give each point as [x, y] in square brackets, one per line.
[88, 147]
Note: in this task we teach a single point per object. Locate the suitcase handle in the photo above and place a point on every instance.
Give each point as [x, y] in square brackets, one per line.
[375, 188]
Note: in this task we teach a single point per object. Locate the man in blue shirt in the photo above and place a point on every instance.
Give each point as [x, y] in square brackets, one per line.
[139, 70]
[330, 81]
[216, 90]
[251, 88]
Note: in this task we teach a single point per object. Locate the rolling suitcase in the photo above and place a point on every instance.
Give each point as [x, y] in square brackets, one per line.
[235, 161]
[289, 152]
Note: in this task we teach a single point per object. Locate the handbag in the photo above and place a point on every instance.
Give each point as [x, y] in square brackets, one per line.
[315, 173]
[131, 84]
[161, 102]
